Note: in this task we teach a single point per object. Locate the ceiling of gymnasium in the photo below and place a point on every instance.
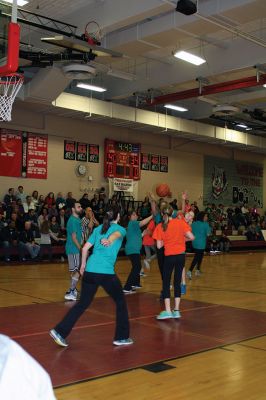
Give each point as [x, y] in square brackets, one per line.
[229, 34]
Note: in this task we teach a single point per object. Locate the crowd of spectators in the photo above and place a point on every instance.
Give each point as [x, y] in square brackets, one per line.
[34, 223]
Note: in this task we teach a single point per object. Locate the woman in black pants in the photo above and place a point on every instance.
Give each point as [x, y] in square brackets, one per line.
[172, 234]
[98, 270]
[132, 250]
[201, 229]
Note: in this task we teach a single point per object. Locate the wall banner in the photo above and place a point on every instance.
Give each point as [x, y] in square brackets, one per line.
[10, 153]
[69, 150]
[37, 150]
[123, 185]
[232, 182]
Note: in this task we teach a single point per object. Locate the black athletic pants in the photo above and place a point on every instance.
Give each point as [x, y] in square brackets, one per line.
[134, 277]
[90, 283]
[197, 260]
[160, 258]
[176, 263]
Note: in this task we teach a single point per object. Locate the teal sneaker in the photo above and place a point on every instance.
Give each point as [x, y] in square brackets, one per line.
[176, 314]
[164, 315]
[183, 289]
[58, 338]
[123, 342]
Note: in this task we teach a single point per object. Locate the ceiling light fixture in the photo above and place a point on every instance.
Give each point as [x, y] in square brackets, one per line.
[264, 85]
[20, 3]
[189, 57]
[242, 126]
[94, 88]
[175, 108]
[122, 75]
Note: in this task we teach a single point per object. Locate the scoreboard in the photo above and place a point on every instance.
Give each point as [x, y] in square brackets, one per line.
[121, 160]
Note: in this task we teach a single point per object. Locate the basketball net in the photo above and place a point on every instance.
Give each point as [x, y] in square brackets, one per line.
[93, 33]
[9, 88]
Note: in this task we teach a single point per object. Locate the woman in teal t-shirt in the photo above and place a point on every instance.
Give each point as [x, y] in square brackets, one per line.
[98, 270]
[132, 250]
[200, 229]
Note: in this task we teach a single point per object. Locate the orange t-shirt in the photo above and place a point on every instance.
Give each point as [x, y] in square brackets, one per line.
[147, 239]
[174, 236]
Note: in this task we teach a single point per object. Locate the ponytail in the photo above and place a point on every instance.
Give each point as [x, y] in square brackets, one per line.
[166, 213]
[110, 216]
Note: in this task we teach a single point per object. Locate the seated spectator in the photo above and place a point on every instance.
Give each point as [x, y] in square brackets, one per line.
[9, 197]
[60, 200]
[49, 200]
[35, 199]
[70, 201]
[33, 218]
[41, 202]
[43, 216]
[224, 243]
[55, 233]
[62, 221]
[20, 195]
[208, 209]
[2, 221]
[187, 206]
[213, 242]
[53, 212]
[244, 208]
[45, 242]
[9, 239]
[28, 204]
[27, 243]
[84, 201]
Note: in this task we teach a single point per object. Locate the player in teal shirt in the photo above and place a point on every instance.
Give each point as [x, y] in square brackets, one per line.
[132, 249]
[97, 271]
[200, 229]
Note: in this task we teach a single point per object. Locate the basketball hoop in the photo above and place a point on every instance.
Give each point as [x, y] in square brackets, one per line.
[93, 33]
[9, 88]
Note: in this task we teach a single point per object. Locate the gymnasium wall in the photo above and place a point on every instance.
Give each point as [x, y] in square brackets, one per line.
[185, 157]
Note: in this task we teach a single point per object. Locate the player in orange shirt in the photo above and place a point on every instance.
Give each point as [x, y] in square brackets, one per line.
[172, 234]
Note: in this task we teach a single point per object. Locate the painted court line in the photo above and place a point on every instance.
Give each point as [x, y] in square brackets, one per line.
[104, 323]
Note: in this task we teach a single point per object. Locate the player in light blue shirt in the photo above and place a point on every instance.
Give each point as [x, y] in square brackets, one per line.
[98, 270]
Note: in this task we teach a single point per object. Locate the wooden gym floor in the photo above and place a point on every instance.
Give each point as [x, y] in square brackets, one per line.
[217, 350]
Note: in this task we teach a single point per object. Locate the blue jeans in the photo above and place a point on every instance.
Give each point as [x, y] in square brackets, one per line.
[32, 249]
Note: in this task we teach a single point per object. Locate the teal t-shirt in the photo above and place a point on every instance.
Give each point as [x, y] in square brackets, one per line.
[200, 230]
[134, 238]
[158, 217]
[73, 226]
[102, 260]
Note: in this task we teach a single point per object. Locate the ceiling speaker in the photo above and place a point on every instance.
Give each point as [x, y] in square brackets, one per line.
[187, 7]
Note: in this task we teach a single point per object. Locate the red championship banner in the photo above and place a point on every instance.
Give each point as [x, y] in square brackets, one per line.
[37, 149]
[10, 153]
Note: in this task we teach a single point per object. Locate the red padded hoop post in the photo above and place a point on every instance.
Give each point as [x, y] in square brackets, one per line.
[11, 65]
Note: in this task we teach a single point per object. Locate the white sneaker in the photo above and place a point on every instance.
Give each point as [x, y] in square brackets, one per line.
[71, 295]
[147, 264]
[198, 272]
[189, 274]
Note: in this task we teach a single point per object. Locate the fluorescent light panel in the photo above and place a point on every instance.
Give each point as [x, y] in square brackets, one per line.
[20, 3]
[189, 57]
[94, 88]
[176, 108]
[242, 126]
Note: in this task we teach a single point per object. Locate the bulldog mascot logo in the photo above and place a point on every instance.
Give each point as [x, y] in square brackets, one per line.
[219, 182]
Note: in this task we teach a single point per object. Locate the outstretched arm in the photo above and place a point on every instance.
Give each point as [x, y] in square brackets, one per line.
[189, 236]
[145, 221]
[184, 198]
[154, 208]
[85, 251]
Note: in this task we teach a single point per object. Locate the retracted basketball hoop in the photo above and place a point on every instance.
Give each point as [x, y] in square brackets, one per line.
[10, 80]
[93, 33]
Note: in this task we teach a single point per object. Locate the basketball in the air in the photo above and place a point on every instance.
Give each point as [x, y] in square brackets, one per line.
[163, 190]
